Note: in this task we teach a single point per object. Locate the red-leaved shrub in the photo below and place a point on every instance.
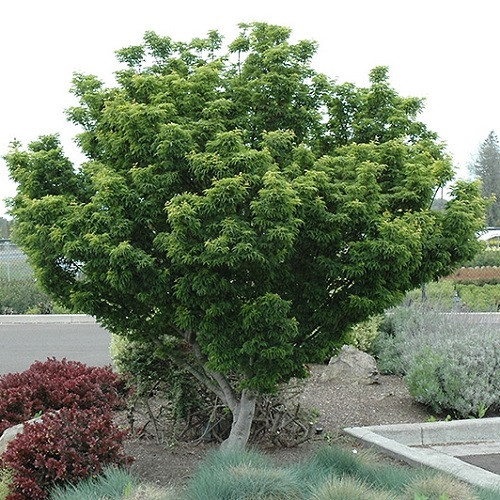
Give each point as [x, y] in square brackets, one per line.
[67, 446]
[52, 385]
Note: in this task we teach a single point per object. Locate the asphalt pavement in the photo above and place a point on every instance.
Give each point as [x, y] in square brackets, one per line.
[23, 343]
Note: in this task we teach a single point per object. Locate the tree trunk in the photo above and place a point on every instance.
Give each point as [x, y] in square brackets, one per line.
[243, 415]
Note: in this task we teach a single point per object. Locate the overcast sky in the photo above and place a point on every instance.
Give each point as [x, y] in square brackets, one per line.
[446, 51]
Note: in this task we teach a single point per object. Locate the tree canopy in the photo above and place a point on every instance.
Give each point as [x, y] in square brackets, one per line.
[4, 228]
[238, 209]
[486, 167]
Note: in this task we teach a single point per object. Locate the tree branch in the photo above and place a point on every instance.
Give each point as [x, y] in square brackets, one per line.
[202, 377]
[229, 394]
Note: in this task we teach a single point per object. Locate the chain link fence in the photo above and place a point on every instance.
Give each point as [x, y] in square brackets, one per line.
[13, 263]
[19, 292]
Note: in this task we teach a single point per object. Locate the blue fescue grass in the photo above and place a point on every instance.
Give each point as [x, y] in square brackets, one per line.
[113, 484]
[488, 493]
[330, 473]
[242, 475]
[337, 462]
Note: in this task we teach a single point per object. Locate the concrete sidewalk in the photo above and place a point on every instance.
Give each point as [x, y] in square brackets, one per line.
[467, 449]
[18, 319]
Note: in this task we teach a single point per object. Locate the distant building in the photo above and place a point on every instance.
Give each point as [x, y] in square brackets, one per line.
[490, 233]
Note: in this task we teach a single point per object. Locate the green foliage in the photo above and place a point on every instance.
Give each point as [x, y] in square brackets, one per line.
[363, 335]
[364, 467]
[451, 364]
[150, 373]
[241, 203]
[425, 382]
[485, 258]
[23, 296]
[489, 494]
[486, 166]
[460, 377]
[5, 227]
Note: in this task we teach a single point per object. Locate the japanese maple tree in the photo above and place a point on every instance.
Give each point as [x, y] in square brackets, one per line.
[239, 210]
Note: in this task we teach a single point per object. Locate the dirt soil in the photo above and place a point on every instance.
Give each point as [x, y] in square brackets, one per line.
[339, 406]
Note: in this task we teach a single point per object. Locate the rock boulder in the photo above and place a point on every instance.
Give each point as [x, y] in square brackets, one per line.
[351, 366]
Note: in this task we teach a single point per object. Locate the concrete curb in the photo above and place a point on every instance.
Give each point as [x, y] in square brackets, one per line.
[412, 444]
[17, 319]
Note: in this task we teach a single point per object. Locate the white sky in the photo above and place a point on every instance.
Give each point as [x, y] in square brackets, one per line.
[444, 50]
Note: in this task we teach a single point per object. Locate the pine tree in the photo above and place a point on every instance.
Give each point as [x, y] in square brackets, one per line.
[487, 168]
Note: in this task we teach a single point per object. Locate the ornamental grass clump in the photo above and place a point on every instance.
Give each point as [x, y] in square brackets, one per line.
[113, 483]
[245, 475]
[348, 489]
[363, 467]
[439, 487]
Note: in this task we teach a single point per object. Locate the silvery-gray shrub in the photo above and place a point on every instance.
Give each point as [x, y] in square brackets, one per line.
[451, 363]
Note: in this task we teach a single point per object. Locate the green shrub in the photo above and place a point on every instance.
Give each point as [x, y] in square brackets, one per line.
[488, 257]
[148, 367]
[461, 376]
[152, 374]
[451, 363]
[16, 297]
[400, 326]
[484, 298]
[422, 379]
[363, 335]
[25, 297]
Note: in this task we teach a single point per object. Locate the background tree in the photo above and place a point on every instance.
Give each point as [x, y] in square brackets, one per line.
[486, 167]
[4, 228]
[238, 210]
